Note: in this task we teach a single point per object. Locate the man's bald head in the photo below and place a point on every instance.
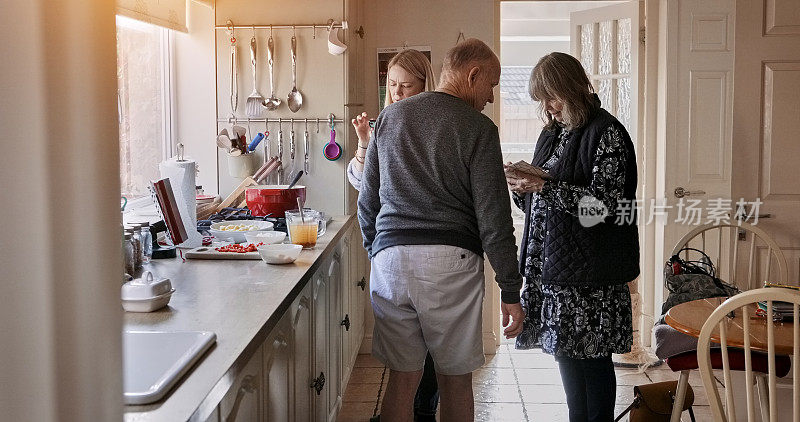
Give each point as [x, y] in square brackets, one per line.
[470, 71]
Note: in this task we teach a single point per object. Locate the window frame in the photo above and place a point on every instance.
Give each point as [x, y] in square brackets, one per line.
[168, 110]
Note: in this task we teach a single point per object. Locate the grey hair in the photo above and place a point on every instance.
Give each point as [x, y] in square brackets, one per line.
[466, 53]
[559, 76]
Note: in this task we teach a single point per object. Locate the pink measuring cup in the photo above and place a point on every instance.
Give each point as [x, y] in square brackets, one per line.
[332, 150]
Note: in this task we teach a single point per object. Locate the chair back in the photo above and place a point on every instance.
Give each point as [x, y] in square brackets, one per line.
[728, 243]
[751, 333]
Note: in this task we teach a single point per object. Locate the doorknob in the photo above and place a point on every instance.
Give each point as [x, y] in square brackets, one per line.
[680, 192]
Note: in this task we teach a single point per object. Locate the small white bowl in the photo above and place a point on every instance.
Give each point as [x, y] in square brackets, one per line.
[236, 236]
[280, 253]
[265, 237]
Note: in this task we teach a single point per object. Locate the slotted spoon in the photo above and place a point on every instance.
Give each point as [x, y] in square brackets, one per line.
[254, 106]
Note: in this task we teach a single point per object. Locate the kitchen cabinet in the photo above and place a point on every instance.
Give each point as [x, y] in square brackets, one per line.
[242, 402]
[275, 372]
[278, 371]
[321, 352]
[336, 329]
[301, 347]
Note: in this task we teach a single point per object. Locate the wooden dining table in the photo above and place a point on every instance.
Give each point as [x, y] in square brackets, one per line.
[689, 318]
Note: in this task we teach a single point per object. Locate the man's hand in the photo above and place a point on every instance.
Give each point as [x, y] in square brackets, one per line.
[514, 310]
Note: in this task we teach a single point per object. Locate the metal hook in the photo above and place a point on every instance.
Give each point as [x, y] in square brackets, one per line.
[231, 31]
[461, 37]
[317, 124]
[314, 34]
[331, 22]
[291, 124]
[294, 32]
[306, 120]
[270, 30]
[331, 117]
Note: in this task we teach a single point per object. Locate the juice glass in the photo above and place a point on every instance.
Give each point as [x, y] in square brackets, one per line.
[305, 231]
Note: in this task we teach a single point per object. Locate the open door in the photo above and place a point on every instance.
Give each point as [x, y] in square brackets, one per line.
[608, 43]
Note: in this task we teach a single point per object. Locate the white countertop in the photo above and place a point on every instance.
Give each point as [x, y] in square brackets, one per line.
[240, 301]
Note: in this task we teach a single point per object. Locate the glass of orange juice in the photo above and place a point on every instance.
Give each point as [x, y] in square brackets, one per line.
[305, 228]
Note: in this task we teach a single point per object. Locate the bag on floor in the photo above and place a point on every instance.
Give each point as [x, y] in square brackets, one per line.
[653, 402]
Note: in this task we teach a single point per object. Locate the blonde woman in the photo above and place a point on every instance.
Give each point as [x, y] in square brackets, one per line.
[409, 74]
[576, 268]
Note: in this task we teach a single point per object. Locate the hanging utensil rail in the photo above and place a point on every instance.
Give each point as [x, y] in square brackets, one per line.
[342, 24]
[281, 120]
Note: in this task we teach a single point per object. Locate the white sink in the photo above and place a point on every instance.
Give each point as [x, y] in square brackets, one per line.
[154, 361]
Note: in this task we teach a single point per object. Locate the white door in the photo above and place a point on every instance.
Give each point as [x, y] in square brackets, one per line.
[766, 112]
[607, 41]
[695, 113]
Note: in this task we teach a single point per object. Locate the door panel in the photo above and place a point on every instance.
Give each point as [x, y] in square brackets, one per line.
[302, 347]
[335, 330]
[321, 355]
[278, 372]
[765, 112]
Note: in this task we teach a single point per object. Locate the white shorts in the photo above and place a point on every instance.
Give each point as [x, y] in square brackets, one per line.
[427, 298]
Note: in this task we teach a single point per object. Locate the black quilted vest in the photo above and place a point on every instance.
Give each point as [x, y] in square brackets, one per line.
[601, 255]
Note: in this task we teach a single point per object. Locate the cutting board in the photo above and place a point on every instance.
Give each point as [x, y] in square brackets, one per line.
[208, 252]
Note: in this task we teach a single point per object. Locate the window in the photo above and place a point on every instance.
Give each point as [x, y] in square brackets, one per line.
[144, 103]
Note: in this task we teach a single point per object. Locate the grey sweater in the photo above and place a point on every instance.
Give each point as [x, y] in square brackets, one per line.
[434, 176]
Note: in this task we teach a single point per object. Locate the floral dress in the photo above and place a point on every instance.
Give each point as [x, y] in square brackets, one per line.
[579, 322]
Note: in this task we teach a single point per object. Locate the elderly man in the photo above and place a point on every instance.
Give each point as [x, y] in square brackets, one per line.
[433, 200]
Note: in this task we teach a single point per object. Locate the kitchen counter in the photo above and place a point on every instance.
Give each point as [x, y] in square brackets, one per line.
[240, 301]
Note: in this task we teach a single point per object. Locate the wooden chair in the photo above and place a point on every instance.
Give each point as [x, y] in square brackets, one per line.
[724, 242]
[750, 335]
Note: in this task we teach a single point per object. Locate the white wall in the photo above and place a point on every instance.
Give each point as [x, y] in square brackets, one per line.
[419, 22]
[194, 92]
[60, 315]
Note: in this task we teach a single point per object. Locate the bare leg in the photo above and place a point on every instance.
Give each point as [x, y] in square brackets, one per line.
[457, 402]
[398, 402]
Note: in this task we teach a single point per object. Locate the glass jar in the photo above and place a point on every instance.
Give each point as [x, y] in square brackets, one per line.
[137, 246]
[127, 254]
[147, 241]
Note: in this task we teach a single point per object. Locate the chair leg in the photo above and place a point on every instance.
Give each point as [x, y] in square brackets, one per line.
[763, 396]
[677, 405]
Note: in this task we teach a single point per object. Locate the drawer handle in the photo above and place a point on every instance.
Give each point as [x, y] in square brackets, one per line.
[346, 322]
[362, 283]
[249, 385]
[318, 383]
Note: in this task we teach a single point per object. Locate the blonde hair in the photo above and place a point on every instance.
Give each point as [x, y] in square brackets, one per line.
[415, 63]
[559, 76]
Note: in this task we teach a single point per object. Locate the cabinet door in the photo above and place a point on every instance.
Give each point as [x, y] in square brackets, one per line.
[277, 372]
[336, 330]
[242, 402]
[346, 292]
[301, 346]
[321, 331]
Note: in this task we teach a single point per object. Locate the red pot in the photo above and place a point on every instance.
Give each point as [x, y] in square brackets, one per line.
[275, 199]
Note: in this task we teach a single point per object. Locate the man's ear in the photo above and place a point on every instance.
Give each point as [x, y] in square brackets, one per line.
[472, 77]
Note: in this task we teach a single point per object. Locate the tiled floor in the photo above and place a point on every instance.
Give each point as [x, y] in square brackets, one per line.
[514, 386]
